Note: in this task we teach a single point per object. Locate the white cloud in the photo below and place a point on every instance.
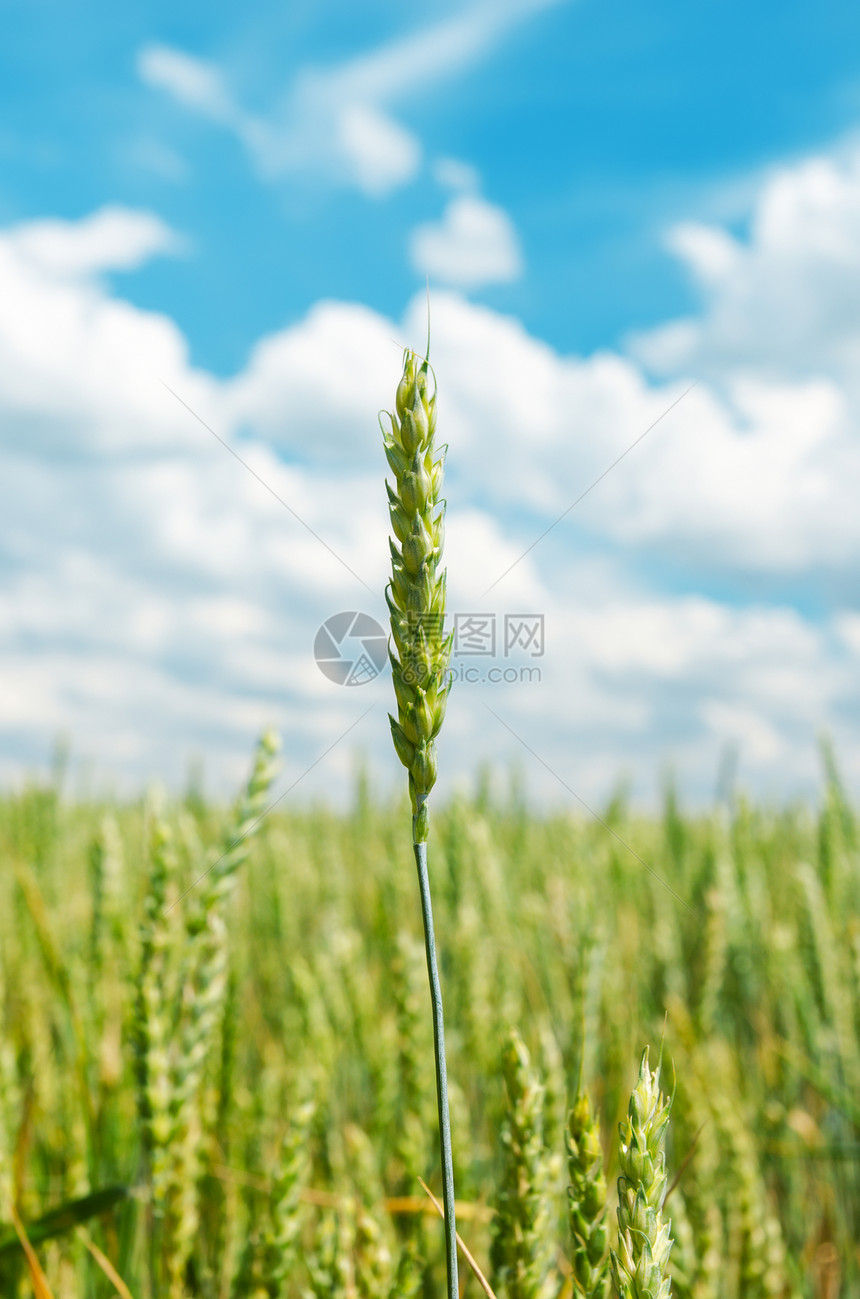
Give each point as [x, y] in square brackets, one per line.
[319, 129]
[475, 243]
[758, 482]
[782, 300]
[744, 729]
[756, 476]
[848, 630]
[631, 681]
[79, 369]
[455, 174]
[303, 388]
[113, 238]
[440, 50]
[381, 155]
[190, 80]
[158, 601]
[338, 121]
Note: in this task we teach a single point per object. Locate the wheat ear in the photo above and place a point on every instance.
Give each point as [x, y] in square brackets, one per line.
[587, 1202]
[641, 1265]
[416, 600]
[522, 1249]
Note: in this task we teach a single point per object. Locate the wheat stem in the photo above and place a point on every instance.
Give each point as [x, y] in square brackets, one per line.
[441, 1070]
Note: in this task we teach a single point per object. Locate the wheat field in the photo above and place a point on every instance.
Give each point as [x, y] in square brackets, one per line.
[216, 1071]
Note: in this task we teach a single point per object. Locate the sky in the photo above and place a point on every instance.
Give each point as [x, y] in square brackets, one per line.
[640, 230]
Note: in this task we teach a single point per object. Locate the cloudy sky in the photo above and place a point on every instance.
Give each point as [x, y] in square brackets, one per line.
[641, 232]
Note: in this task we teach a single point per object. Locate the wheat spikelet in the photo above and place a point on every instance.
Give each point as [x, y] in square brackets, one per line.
[105, 884]
[523, 1247]
[272, 1248]
[330, 1269]
[758, 1252]
[152, 1016]
[205, 983]
[837, 1025]
[715, 945]
[203, 992]
[373, 1263]
[640, 1267]
[293, 1173]
[416, 594]
[587, 1202]
[684, 1263]
[416, 601]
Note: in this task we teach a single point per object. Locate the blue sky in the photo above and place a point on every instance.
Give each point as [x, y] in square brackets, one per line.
[592, 125]
[612, 202]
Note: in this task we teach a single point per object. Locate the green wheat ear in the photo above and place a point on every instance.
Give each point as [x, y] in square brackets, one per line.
[416, 600]
[587, 1202]
[641, 1266]
[416, 593]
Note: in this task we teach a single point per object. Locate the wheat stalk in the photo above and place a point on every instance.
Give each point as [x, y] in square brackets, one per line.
[416, 600]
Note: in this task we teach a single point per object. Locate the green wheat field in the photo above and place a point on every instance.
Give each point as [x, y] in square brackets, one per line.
[216, 1057]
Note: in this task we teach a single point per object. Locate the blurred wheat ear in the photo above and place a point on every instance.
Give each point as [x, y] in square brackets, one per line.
[587, 1202]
